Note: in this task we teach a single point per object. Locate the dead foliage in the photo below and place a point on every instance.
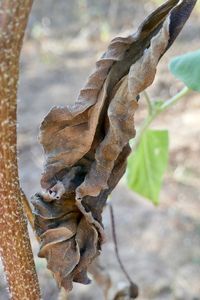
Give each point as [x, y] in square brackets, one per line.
[86, 145]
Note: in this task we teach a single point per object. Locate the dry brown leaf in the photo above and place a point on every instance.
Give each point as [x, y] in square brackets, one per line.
[86, 145]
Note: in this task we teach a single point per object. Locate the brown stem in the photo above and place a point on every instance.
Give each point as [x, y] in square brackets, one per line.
[29, 214]
[15, 248]
[133, 287]
[27, 209]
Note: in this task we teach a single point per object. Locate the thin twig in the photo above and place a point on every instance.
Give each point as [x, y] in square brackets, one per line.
[156, 112]
[148, 101]
[170, 102]
[132, 284]
[27, 209]
[28, 212]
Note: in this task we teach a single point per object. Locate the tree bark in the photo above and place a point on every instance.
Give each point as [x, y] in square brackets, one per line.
[15, 248]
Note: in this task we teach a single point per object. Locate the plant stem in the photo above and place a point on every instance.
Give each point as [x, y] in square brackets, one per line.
[141, 131]
[170, 102]
[148, 100]
[28, 212]
[15, 248]
[155, 111]
[134, 287]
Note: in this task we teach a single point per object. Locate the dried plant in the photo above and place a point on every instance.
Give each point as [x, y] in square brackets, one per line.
[86, 145]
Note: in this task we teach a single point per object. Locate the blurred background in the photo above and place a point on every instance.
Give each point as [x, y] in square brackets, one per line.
[160, 246]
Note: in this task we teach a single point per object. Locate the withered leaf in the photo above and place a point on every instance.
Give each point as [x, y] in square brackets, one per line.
[86, 145]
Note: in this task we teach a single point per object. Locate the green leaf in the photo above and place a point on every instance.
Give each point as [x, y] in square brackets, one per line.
[147, 165]
[187, 68]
